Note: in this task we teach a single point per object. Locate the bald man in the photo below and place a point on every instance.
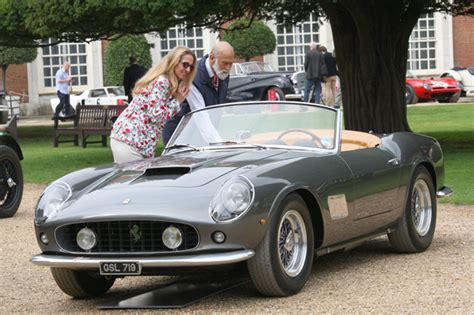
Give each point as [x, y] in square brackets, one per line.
[209, 88]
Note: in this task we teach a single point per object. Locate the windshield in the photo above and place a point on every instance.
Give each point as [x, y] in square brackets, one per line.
[116, 90]
[258, 125]
[252, 67]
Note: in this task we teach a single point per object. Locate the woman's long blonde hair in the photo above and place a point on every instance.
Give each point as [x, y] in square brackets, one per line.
[166, 67]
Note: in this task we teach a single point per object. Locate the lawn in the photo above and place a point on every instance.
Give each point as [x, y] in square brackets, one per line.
[452, 125]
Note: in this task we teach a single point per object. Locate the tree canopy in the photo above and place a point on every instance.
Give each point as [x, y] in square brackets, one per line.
[250, 38]
[117, 56]
[370, 37]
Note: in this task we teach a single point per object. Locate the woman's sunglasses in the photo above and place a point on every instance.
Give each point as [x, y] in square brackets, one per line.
[187, 65]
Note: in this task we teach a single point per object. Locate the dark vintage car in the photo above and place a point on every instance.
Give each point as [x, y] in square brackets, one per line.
[444, 90]
[258, 81]
[267, 191]
[11, 175]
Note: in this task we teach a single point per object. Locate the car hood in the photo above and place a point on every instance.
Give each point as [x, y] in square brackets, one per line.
[184, 170]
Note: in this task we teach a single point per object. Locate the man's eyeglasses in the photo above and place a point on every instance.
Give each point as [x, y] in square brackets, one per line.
[187, 65]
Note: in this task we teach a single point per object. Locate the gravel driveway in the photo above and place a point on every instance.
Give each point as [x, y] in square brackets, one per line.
[368, 279]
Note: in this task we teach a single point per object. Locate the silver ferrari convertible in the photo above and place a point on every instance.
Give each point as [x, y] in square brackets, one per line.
[259, 186]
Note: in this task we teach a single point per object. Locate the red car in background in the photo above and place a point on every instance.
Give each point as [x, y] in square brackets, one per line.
[444, 90]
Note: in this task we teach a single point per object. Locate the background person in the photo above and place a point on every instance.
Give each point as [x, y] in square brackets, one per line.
[329, 93]
[62, 87]
[133, 72]
[157, 97]
[315, 69]
[208, 88]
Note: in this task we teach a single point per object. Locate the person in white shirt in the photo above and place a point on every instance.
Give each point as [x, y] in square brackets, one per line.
[62, 87]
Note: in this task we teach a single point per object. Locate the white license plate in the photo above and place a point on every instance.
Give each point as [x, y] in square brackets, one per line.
[120, 268]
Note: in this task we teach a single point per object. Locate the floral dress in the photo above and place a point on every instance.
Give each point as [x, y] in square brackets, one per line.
[142, 121]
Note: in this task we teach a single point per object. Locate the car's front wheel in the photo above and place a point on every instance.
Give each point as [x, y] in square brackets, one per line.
[11, 182]
[80, 283]
[282, 262]
[415, 231]
[410, 95]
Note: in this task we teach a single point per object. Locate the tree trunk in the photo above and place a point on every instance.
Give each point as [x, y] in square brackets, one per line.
[371, 43]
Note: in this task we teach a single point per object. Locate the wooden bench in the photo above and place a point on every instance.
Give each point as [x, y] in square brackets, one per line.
[89, 120]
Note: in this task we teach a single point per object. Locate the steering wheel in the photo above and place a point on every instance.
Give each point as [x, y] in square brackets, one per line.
[314, 138]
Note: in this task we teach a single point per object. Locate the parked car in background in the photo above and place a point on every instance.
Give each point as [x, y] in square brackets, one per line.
[444, 90]
[278, 189]
[11, 174]
[257, 81]
[109, 95]
[464, 77]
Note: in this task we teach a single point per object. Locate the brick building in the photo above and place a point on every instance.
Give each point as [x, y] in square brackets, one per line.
[438, 42]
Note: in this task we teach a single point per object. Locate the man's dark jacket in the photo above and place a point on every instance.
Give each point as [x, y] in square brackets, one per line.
[314, 65]
[211, 96]
[131, 75]
[330, 62]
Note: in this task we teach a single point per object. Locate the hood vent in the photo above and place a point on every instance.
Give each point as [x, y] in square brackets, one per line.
[167, 172]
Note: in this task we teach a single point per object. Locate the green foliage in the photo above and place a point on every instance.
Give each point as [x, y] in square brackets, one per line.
[250, 40]
[13, 55]
[23, 20]
[118, 52]
[17, 56]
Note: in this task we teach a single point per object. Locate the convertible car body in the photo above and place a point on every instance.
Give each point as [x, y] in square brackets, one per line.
[257, 81]
[444, 90]
[268, 192]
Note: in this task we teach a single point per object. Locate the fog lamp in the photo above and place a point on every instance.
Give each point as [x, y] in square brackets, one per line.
[172, 237]
[86, 239]
[44, 239]
[218, 237]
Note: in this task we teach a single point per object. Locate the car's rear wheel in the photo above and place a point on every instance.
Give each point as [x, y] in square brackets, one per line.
[282, 262]
[11, 182]
[410, 95]
[415, 231]
[81, 284]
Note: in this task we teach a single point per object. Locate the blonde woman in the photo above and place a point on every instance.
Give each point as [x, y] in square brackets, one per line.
[156, 98]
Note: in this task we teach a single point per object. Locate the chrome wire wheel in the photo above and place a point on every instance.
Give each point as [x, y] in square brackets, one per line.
[292, 243]
[421, 208]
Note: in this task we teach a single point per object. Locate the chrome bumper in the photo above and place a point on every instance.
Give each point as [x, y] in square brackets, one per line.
[74, 262]
[444, 192]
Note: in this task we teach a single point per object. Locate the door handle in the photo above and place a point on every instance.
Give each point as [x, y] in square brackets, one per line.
[394, 162]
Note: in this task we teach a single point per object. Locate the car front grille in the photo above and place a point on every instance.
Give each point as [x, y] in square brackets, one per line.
[122, 236]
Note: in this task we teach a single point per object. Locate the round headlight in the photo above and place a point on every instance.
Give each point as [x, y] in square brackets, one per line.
[426, 86]
[232, 200]
[172, 237]
[53, 198]
[237, 197]
[86, 239]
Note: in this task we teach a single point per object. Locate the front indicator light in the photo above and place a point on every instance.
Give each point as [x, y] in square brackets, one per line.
[86, 239]
[172, 237]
